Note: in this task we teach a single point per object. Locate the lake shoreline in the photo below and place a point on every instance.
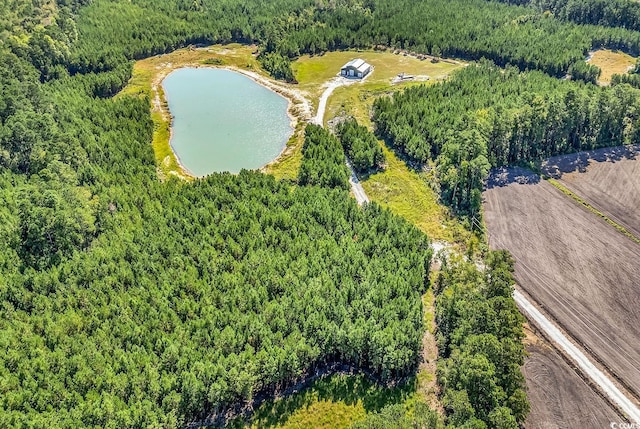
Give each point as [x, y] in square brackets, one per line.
[298, 108]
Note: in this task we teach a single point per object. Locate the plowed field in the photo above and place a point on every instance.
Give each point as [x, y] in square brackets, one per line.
[608, 179]
[559, 397]
[580, 269]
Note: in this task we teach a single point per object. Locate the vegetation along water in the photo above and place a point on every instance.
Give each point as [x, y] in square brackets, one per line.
[133, 299]
[224, 121]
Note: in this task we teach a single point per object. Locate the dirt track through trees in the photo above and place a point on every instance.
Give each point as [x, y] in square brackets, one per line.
[580, 269]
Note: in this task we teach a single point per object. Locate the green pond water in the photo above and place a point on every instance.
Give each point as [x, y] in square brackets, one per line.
[224, 121]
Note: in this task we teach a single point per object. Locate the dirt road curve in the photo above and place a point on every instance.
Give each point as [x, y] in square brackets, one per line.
[330, 87]
[598, 377]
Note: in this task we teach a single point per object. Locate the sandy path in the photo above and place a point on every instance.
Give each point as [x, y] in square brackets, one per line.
[356, 187]
[576, 355]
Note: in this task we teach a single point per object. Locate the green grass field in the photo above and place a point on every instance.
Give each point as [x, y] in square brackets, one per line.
[332, 402]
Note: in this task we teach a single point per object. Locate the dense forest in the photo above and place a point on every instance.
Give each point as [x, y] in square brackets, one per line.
[323, 162]
[485, 116]
[127, 302]
[608, 13]
[480, 342]
[361, 146]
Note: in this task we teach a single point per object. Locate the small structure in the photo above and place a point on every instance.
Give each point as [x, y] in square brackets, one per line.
[356, 68]
[403, 77]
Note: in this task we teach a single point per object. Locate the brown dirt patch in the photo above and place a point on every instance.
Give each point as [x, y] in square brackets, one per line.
[559, 397]
[581, 270]
[611, 62]
[608, 179]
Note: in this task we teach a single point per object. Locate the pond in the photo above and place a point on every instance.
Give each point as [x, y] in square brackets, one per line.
[224, 121]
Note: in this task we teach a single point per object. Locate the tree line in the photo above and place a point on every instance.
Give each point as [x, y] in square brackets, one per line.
[486, 117]
[607, 13]
[103, 35]
[480, 344]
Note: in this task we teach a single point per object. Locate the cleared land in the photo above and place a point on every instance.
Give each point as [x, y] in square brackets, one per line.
[580, 269]
[559, 397]
[314, 71]
[607, 179]
[611, 62]
[399, 188]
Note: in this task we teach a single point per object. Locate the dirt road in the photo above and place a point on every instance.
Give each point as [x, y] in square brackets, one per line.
[356, 187]
[579, 268]
[577, 356]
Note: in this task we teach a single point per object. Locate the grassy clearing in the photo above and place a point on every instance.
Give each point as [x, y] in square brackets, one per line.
[611, 62]
[408, 194]
[314, 71]
[286, 166]
[405, 192]
[335, 401]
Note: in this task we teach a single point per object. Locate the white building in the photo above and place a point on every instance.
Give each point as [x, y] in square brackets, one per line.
[356, 68]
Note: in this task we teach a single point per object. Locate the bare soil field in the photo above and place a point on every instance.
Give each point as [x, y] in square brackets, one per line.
[608, 179]
[559, 397]
[581, 270]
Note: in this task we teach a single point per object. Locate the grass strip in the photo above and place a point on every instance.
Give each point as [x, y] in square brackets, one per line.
[592, 209]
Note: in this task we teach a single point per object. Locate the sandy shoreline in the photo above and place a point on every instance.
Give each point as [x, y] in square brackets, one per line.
[299, 107]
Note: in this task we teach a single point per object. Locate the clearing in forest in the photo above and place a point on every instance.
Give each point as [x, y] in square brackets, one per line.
[611, 62]
[312, 72]
[404, 191]
[580, 269]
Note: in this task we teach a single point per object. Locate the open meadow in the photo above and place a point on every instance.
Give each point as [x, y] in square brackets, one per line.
[611, 62]
[312, 72]
[581, 270]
